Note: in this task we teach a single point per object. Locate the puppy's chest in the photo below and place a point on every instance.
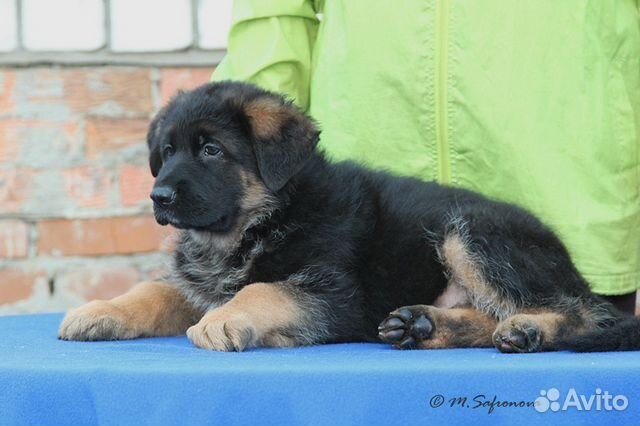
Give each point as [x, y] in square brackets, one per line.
[209, 276]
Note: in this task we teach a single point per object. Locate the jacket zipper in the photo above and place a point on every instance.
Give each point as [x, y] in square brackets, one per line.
[441, 52]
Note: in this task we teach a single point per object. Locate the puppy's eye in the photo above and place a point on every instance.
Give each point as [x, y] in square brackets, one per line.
[211, 150]
[168, 151]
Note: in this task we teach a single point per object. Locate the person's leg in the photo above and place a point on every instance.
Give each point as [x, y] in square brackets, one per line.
[624, 302]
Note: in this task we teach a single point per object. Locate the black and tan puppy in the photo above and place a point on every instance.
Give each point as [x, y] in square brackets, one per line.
[281, 248]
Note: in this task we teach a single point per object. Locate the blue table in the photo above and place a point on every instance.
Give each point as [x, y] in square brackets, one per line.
[166, 381]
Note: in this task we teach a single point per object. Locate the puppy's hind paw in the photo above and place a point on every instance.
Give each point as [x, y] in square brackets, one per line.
[406, 327]
[517, 335]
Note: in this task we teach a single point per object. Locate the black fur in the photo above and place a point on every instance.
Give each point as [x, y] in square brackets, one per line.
[624, 336]
[350, 244]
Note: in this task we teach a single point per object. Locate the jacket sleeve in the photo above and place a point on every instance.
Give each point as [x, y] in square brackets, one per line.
[270, 44]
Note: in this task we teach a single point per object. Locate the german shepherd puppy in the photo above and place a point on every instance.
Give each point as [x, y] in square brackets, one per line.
[278, 247]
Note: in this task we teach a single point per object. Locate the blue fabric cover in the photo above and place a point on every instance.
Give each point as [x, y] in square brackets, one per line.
[167, 381]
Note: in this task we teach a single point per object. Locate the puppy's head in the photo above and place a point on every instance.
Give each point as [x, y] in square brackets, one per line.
[219, 152]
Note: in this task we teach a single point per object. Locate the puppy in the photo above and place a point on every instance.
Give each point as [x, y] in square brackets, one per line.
[279, 247]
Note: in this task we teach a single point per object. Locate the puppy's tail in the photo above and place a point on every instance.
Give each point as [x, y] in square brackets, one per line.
[622, 336]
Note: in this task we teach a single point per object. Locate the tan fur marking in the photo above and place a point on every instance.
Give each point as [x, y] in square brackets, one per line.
[267, 116]
[534, 331]
[459, 328]
[253, 317]
[465, 272]
[254, 202]
[148, 309]
[452, 296]
[548, 323]
[255, 192]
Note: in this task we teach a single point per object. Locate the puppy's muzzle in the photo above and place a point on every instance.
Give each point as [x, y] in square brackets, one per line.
[163, 195]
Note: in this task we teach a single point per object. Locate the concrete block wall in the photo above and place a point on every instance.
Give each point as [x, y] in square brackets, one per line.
[119, 25]
[79, 82]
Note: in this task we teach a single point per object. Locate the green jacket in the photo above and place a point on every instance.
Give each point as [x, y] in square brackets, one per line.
[533, 102]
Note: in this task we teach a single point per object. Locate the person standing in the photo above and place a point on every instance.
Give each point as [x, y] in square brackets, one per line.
[534, 103]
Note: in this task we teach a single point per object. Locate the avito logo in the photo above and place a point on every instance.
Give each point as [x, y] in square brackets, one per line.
[600, 400]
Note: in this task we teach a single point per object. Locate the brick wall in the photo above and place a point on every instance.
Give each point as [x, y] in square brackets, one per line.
[79, 82]
[75, 216]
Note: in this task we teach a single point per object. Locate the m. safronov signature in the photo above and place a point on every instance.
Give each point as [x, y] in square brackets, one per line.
[480, 401]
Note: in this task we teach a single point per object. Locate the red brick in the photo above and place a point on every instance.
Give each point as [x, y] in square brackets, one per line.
[174, 79]
[15, 189]
[158, 273]
[40, 90]
[106, 135]
[98, 283]
[135, 185]
[18, 284]
[40, 86]
[170, 241]
[20, 137]
[88, 186]
[10, 139]
[14, 239]
[7, 88]
[93, 237]
[123, 90]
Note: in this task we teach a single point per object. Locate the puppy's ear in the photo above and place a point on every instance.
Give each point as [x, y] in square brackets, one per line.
[284, 138]
[153, 141]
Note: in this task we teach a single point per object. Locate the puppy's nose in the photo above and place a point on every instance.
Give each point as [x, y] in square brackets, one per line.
[163, 195]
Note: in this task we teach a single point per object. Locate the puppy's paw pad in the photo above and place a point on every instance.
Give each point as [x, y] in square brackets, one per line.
[97, 320]
[514, 337]
[406, 327]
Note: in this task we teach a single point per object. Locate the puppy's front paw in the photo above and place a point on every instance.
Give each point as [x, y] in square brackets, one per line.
[225, 331]
[97, 320]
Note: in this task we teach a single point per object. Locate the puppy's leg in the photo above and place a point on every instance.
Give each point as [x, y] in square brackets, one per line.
[148, 309]
[259, 314]
[548, 328]
[428, 327]
[528, 332]
[465, 270]
[431, 327]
